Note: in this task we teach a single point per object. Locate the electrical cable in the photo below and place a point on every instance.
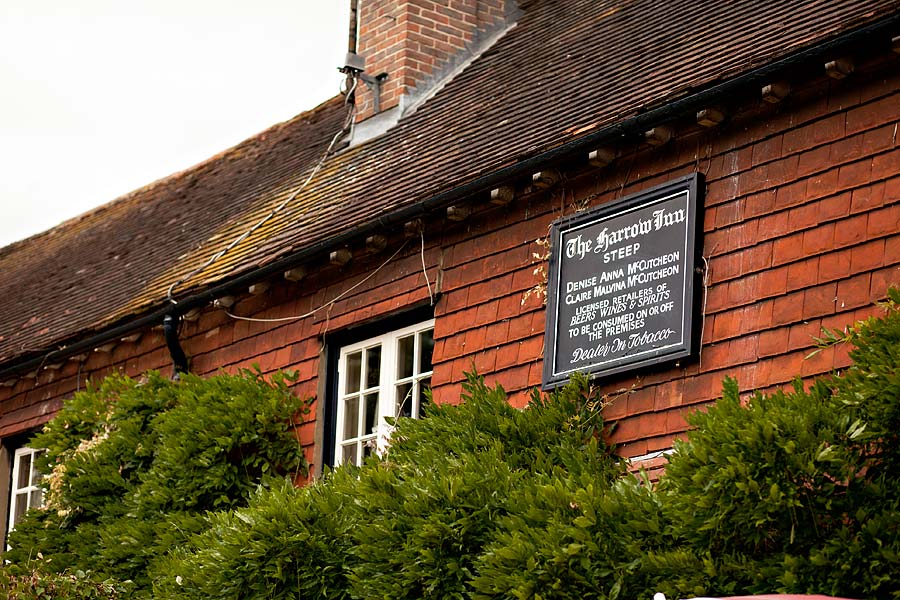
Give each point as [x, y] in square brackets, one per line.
[424, 269]
[212, 259]
[703, 310]
[327, 304]
[650, 456]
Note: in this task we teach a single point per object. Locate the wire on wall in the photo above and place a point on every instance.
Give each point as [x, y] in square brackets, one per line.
[348, 121]
[703, 310]
[328, 304]
[424, 268]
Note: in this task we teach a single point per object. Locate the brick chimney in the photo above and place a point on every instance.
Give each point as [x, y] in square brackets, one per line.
[410, 46]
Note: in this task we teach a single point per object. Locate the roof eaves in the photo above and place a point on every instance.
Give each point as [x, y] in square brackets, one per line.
[687, 102]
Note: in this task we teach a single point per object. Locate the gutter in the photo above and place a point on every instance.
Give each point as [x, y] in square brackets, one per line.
[638, 123]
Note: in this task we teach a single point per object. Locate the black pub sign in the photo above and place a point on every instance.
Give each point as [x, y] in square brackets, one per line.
[622, 283]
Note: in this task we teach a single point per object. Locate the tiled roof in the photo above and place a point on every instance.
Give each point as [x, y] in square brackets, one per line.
[567, 69]
[89, 271]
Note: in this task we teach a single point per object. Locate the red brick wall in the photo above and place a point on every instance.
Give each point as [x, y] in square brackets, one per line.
[413, 40]
[801, 222]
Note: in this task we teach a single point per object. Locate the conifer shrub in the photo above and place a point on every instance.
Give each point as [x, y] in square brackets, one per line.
[135, 465]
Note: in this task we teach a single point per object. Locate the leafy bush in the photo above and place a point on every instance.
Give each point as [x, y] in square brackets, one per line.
[288, 543]
[41, 585]
[441, 494]
[411, 524]
[134, 466]
[574, 538]
[794, 491]
[761, 480]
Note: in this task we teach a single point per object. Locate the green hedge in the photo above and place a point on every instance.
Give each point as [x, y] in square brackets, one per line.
[797, 491]
[41, 584]
[412, 524]
[135, 466]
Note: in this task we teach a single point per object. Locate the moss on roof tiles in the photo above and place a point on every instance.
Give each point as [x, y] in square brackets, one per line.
[545, 78]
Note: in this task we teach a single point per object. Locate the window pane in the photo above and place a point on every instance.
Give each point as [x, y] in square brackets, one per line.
[36, 496]
[426, 349]
[405, 355]
[373, 366]
[348, 454]
[24, 470]
[404, 400]
[354, 368]
[371, 413]
[35, 474]
[424, 386]
[383, 376]
[351, 417]
[21, 506]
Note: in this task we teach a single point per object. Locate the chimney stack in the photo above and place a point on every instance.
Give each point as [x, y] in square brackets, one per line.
[410, 45]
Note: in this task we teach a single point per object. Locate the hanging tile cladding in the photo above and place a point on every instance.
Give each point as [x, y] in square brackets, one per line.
[802, 230]
[565, 67]
[32, 402]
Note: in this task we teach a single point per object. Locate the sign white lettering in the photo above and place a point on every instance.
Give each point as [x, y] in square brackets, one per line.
[622, 282]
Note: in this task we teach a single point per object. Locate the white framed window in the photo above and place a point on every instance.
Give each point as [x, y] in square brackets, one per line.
[383, 376]
[25, 489]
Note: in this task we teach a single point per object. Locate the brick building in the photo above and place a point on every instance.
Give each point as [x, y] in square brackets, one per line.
[418, 248]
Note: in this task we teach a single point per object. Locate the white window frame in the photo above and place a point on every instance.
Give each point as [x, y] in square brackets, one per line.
[32, 485]
[386, 389]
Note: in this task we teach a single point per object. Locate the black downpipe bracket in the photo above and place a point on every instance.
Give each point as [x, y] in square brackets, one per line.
[179, 359]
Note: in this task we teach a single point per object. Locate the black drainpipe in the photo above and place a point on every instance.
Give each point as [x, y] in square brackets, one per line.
[170, 329]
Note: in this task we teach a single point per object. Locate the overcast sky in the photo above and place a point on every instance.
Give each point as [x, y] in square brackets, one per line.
[100, 97]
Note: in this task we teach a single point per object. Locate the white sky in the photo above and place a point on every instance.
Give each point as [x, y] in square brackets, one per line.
[100, 97]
